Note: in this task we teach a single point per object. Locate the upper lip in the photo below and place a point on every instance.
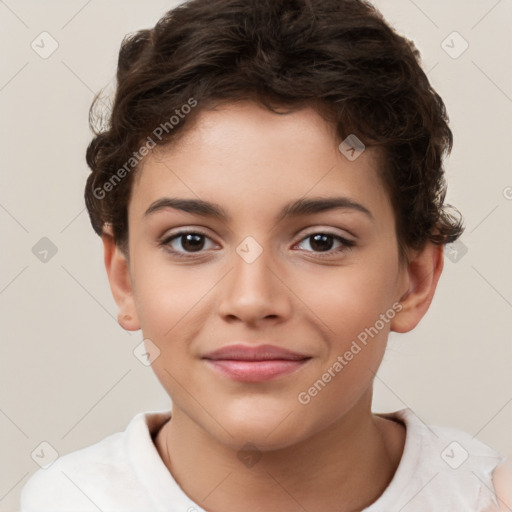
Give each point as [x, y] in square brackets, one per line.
[255, 353]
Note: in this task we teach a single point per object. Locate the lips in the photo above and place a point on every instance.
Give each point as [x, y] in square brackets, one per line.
[257, 353]
[255, 363]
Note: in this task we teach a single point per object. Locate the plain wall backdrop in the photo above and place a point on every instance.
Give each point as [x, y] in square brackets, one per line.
[68, 375]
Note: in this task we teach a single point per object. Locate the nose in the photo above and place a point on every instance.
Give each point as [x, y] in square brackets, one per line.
[256, 291]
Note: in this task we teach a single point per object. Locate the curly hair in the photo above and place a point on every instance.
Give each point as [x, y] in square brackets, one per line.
[339, 56]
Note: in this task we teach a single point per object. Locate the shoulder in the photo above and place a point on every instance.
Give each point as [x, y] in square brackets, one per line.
[452, 446]
[75, 478]
[86, 479]
[448, 468]
[502, 480]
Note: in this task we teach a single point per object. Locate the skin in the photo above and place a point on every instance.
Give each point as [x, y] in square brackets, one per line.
[332, 454]
[502, 481]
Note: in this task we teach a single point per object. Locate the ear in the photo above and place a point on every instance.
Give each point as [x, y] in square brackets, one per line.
[422, 275]
[118, 271]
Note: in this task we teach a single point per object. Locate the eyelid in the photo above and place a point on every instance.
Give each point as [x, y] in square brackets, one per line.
[328, 231]
[347, 243]
[169, 234]
[312, 231]
[177, 234]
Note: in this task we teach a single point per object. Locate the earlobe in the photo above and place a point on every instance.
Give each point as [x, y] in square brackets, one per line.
[423, 273]
[118, 271]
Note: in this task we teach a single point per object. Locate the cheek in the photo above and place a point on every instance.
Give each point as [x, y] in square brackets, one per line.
[356, 320]
[349, 298]
[166, 293]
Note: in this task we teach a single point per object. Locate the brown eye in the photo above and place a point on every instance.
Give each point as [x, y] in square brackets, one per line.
[186, 242]
[323, 242]
[192, 242]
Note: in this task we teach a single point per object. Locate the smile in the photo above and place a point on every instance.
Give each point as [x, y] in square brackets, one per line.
[256, 371]
[255, 364]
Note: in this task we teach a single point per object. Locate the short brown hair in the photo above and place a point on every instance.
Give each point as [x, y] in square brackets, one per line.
[339, 56]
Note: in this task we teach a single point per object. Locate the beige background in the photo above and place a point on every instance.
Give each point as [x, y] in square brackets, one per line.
[68, 375]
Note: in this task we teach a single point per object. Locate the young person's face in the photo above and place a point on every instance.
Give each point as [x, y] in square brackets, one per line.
[256, 279]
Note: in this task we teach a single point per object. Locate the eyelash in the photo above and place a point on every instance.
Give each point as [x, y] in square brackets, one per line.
[347, 244]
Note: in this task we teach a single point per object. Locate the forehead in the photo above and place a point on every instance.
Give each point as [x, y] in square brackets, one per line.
[242, 155]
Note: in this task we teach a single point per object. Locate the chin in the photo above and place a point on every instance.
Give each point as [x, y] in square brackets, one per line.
[265, 428]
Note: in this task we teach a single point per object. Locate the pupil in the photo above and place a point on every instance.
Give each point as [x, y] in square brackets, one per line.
[320, 242]
[194, 241]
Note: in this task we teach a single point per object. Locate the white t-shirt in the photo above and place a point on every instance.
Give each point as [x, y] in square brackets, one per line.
[441, 470]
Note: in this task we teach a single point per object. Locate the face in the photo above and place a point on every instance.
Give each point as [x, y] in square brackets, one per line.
[317, 284]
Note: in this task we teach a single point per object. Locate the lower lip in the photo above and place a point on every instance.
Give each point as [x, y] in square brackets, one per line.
[255, 371]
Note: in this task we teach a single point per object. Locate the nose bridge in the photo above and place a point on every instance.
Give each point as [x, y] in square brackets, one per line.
[253, 289]
[252, 262]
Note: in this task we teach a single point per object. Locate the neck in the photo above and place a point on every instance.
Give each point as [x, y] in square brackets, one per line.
[345, 467]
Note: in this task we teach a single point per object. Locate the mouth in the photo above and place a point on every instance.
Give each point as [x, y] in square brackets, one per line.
[255, 363]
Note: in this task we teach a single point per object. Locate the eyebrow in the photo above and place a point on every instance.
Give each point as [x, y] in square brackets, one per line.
[294, 209]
